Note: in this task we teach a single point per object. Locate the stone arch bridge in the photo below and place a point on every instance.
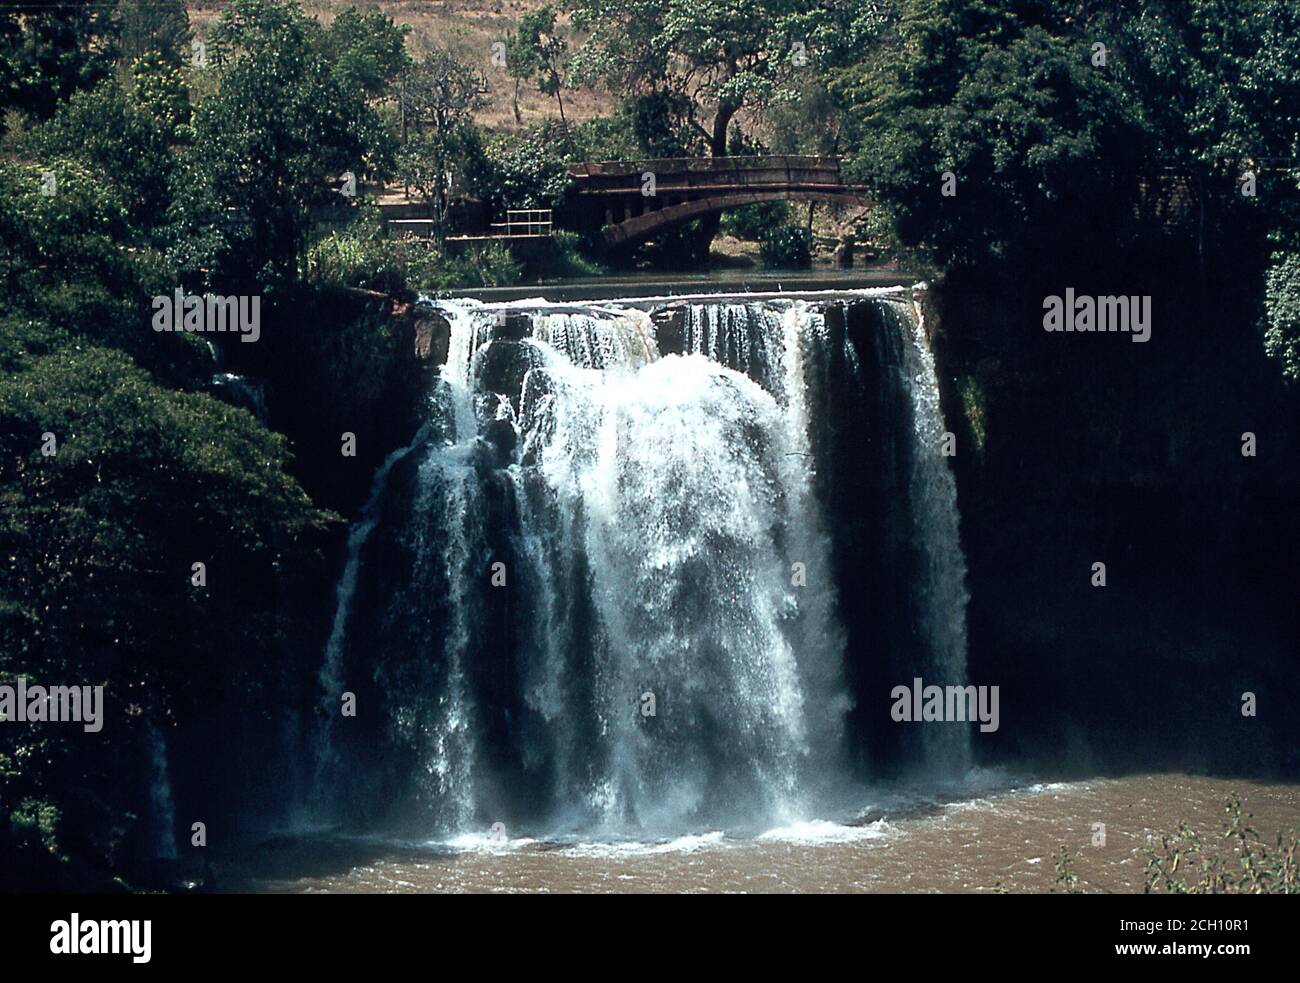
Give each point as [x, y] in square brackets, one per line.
[615, 197]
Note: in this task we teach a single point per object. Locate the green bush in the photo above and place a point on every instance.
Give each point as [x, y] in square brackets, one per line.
[787, 247]
[522, 171]
[350, 259]
[396, 266]
[1185, 865]
[560, 256]
[756, 222]
[430, 269]
[1282, 303]
[605, 138]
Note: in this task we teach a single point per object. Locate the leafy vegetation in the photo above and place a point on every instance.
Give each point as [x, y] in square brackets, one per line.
[1053, 146]
[397, 264]
[1282, 301]
[538, 51]
[1183, 864]
[787, 247]
[129, 172]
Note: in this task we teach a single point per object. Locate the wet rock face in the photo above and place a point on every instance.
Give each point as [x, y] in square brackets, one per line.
[502, 367]
[432, 335]
[513, 326]
[502, 438]
[670, 330]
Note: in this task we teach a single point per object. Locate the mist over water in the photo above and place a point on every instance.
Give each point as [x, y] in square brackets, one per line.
[598, 594]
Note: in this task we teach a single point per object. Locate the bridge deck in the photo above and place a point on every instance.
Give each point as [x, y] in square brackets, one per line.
[636, 198]
[666, 165]
[616, 197]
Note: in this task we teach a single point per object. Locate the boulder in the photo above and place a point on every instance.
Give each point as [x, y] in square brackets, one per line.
[503, 365]
[432, 336]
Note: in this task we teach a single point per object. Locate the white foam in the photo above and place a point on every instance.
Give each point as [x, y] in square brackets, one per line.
[818, 831]
[485, 842]
[689, 843]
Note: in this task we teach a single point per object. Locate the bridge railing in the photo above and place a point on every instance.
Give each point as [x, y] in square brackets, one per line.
[663, 167]
[524, 222]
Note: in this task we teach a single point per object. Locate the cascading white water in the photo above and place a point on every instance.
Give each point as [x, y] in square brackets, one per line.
[162, 811]
[623, 618]
[453, 402]
[678, 472]
[749, 338]
[599, 339]
[942, 581]
[242, 391]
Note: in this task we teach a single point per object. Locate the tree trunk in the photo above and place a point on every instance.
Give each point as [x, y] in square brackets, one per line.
[721, 122]
[709, 224]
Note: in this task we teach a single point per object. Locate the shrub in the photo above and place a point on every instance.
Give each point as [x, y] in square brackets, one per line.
[605, 138]
[431, 269]
[1282, 304]
[562, 256]
[350, 259]
[396, 266]
[1257, 870]
[787, 247]
[756, 222]
[522, 171]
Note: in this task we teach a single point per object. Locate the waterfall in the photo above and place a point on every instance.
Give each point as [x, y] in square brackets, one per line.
[161, 822]
[451, 416]
[242, 391]
[746, 337]
[598, 591]
[599, 339]
[941, 583]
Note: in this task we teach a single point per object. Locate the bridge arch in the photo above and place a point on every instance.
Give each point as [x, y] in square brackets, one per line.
[639, 227]
[614, 193]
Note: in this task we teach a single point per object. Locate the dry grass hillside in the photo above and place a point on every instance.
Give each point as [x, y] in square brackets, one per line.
[469, 27]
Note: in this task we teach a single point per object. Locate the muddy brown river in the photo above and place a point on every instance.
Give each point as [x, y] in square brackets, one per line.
[1003, 839]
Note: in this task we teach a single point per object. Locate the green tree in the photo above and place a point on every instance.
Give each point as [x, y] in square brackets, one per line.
[158, 26]
[1002, 106]
[124, 141]
[99, 540]
[1038, 125]
[431, 162]
[268, 146]
[522, 170]
[721, 55]
[47, 52]
[367, 50]
[63, 271]
[538, 51]
[159, 86]
[714, 57]
[112, 486]
[663, 124]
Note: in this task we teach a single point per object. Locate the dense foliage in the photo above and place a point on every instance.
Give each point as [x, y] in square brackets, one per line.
[787, 247]
[1014, 147]
[1028, 133]
[117, 477]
